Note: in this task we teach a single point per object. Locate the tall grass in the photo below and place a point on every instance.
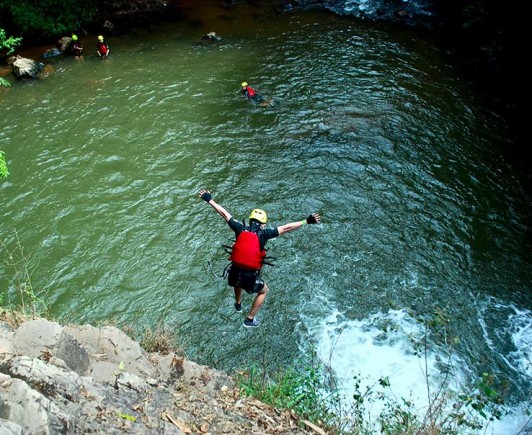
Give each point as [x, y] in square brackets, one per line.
[17, 275]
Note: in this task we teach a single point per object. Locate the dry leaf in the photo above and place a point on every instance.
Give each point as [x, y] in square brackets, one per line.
[314, 427]
[178, 424]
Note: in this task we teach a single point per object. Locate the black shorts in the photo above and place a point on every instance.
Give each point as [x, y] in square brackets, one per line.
[257, 98]
[249, 280]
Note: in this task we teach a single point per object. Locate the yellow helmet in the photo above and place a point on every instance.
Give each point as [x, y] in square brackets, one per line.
[244, 84]
[100, 38]
[259, 215]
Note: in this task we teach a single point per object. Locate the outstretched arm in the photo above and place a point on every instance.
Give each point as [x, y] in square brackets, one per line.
[207, 197]
[314, 218]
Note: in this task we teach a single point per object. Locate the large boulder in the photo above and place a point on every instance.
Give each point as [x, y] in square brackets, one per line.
[29, 409]
[109, 348]
[23, 67]
[36, 337]
[64, 43]
[41, 338]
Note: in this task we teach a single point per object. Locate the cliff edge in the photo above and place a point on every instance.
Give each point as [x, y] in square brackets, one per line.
[82, 379]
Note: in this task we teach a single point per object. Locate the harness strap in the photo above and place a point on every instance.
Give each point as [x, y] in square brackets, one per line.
[226, 270]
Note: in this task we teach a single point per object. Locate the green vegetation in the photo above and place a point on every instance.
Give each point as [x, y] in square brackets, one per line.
[7, 46]
[18, 281]
[447, 411]
[46, 18]
[3, 164]
[301, 391]
[38, 19]
[313, 394]
[127, 417]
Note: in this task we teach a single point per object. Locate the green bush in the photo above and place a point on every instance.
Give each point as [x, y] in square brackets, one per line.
[8, 45]
[47, 18]
[299, 390]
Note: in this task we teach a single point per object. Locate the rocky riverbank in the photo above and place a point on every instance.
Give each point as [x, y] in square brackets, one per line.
[80, 379]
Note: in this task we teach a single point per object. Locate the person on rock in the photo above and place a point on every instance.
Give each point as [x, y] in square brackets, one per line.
[102, 48]
[248, 253]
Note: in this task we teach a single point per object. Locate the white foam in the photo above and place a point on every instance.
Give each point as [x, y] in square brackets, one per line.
[520, 330]
[515, 327]
[515, 422]
[381, 346]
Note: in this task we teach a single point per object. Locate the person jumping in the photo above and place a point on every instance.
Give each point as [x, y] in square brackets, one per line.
[247, 257]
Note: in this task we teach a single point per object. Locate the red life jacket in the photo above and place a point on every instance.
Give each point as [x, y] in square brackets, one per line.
[246, 251]
[102, 48]
[250, 92]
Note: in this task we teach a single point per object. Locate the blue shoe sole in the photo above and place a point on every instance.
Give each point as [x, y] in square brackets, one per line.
[255, 325]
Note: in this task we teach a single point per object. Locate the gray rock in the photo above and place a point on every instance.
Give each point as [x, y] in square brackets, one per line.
[169, 367]
[49, 379]
[35, 337]
[113, 346]
[42, 394]
[23, 67]
[29, 409]
[6, 344]
[52, 52]
[210, 380]
[58, 362]
[64, 42]
[103, 371]
[73, 354]
[131, 381]
[9, 428]
[6, 327]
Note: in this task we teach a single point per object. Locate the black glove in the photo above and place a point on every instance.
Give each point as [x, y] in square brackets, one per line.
[311, 219]
[206, 197]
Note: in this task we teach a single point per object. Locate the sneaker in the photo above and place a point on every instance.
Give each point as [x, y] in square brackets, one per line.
[238, 307]
[251, 323]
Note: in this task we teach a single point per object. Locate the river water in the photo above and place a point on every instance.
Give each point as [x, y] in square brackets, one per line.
[373, 127]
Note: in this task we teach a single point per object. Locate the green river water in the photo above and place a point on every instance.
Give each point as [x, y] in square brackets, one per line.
[373, 127]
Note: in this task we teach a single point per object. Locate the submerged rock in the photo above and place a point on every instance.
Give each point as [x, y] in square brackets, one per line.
[52, 52]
